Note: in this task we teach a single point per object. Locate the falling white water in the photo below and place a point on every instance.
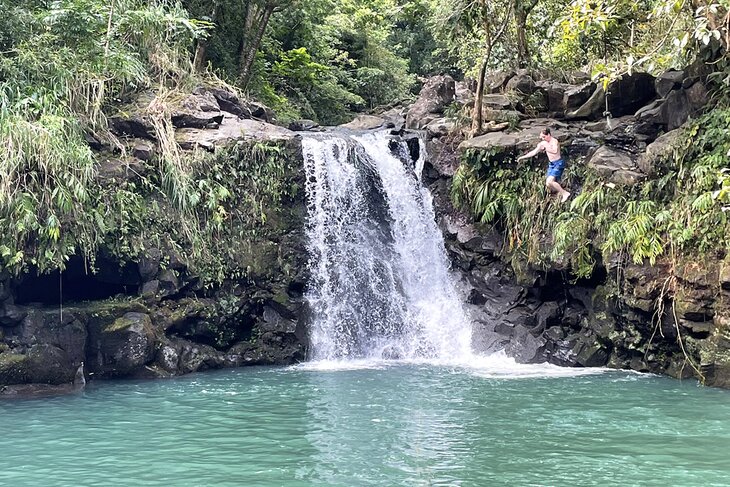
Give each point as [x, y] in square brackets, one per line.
[380, 285]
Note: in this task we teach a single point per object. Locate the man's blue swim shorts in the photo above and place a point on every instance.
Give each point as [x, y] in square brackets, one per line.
[555, 169]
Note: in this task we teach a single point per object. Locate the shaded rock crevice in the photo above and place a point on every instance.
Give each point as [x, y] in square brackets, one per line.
[660, 318]
[155, 313]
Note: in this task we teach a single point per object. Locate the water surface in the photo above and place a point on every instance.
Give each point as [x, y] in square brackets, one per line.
[373, 424]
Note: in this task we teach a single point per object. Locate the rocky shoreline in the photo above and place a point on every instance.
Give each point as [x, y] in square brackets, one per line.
[151, 316]
[666, 318]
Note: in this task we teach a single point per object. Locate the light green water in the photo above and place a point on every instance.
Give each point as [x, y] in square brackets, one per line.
[406, 425]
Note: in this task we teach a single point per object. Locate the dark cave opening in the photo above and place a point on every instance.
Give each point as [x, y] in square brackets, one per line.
[78, 283]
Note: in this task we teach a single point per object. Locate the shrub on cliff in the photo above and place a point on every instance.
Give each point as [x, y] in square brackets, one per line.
[680, 212]
[61, 68]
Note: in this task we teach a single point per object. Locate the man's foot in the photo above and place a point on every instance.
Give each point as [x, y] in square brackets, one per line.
[565, 197]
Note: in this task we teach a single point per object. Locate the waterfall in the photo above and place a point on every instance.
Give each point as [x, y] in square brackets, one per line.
[380, 285]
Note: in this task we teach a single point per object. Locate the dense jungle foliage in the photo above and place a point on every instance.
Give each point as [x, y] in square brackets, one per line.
[681, 212]
[66, 64]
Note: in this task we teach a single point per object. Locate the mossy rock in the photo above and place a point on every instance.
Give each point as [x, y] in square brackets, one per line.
[13, 368]
[120, 324]
[124, 346]
[106, 309]
[262, 259]
[43, 364]
[282, 298]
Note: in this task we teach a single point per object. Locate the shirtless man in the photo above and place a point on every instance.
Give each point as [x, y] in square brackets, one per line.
[551, 146]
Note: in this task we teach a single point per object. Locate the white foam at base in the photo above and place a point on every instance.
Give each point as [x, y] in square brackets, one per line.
[495, 366]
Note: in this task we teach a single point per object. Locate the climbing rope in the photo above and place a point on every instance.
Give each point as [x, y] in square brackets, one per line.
[607, 113]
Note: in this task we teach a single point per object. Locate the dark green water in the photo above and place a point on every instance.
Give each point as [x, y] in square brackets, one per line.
[406, 425]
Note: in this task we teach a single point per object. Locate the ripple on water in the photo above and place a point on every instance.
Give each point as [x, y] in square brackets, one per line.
[496, 366]
[373, 424]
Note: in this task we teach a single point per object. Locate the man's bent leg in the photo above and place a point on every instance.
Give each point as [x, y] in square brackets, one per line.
[555, 187]
[551, 184]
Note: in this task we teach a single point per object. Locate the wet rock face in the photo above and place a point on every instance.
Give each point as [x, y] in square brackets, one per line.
[543, 317]
[156, 337]
[436, 93]
[625, 315]
[151, 316]
[43, 347]
[41, 363]
[120, 347]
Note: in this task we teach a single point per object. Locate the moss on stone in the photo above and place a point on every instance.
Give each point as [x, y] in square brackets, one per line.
[119, 324]
[13, 368]
[281, 297]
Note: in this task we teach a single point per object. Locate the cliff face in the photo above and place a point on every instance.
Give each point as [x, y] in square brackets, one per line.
[213, 280]
[562, 283]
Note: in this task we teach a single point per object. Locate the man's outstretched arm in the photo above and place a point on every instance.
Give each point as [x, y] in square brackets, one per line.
[532, 153]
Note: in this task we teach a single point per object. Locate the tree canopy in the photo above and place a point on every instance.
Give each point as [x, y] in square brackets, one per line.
[66, 64]
[325, 59]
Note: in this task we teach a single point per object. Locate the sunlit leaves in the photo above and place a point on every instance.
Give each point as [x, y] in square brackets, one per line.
[59, 76]
[682, 211]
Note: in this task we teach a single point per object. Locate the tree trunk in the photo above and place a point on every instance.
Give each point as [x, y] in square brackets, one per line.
[200, 50]
[523, 8]
[476, 117]
[199, 59]
[252, 39]
[523, 53]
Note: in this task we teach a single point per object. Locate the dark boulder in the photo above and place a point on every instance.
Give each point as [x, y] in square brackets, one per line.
[133, 126]
[615, 166]
[625, 96]
[121, 347]
[303, 125]
[522, 84]
[576, 96]
[42, 363]
[65, 331]
[495, 82]
[675, 109]
[697, 96]
[435, 95]
[149, 263]
[668, 81]
[587, 352]
[526, 348]
[497, 102]
[630, 93]
[11, 314]
[659, 152]
[197, 111]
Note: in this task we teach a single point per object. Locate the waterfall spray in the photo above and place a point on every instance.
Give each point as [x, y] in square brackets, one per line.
[380, 285]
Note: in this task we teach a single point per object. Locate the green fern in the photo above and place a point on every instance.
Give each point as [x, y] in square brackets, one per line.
[685, 208]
